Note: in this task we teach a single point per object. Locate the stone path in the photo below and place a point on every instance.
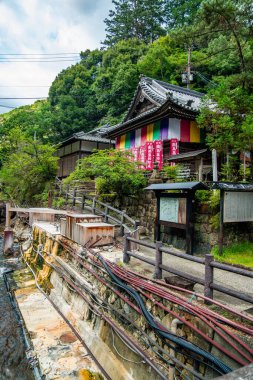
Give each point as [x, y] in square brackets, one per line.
[230, 280]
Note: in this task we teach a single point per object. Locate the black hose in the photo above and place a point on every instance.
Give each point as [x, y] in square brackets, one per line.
[221, 366]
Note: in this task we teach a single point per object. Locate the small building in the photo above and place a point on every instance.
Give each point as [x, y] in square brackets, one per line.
[160, 124]
[78, 146]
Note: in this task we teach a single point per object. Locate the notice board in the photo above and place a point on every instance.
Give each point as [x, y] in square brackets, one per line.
[238, 206]
[173, 210]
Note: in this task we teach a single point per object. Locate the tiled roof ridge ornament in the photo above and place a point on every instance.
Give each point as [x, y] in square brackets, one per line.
[169, 94]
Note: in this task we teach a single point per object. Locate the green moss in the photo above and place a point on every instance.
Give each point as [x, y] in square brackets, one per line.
[240, 254]
[215, 221]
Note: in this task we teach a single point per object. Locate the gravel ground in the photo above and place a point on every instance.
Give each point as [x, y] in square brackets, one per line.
[229, 280]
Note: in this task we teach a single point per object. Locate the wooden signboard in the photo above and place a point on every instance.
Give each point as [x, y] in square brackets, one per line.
[173, 210]
[238, 206]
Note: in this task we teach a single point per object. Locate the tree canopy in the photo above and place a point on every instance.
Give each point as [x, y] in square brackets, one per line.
[114, 170]
[28, 168]
[139, 19]
[152, 38]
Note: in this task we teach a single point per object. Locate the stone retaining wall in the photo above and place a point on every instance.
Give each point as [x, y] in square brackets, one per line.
[98, 335]
[143, 208]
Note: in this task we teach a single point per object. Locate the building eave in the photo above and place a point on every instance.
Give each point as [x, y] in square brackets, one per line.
[170, 108]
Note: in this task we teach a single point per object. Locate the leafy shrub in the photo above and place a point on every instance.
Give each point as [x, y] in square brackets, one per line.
[171, 172]
[113, 170]
[202, 196]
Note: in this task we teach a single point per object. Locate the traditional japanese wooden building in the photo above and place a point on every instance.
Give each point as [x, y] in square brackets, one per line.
[77, 146]
[161, 124]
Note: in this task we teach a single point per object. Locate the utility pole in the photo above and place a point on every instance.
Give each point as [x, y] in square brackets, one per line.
[189, 68]
[187, 76]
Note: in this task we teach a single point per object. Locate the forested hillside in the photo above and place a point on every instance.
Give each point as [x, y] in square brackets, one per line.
[152, 38]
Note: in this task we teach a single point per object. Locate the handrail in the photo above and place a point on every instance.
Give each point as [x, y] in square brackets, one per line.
[208, 263]
[183, 255]
[230, 268]
[141, 242]
[103, 209]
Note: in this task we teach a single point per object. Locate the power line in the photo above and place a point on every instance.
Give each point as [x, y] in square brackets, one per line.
[3, 106]
[24, 86]
[62, 60]
[44, 97]
[39, 53]
[44, 58]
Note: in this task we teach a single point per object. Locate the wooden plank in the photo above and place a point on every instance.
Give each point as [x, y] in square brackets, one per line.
[38, 210]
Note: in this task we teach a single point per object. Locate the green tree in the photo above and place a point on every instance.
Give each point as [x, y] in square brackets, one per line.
[233, 19]
[28, 169]
[117, 79]
[227, 115]
[179, 13]
[114, 171]
[72, 100]
[33, 120]
[140, 19]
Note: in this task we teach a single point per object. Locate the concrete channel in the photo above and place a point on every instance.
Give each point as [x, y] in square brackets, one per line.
[83, 324]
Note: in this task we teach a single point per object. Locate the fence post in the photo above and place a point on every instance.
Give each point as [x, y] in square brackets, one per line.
[135, 246]
[74, 197]
[67, 193]
[208, 291]
[106, 213]
[126, 257]
[122, 222]
[158, 261]
[136, 224]
[83, 201]
[94, 205]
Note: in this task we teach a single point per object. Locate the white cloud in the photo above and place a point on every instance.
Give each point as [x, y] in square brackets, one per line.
[35, 26]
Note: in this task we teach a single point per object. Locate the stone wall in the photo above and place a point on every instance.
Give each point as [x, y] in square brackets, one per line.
[205, 236]
[143, 208]
[97, 333]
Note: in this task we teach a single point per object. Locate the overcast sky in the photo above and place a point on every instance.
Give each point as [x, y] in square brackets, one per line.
[49, 27]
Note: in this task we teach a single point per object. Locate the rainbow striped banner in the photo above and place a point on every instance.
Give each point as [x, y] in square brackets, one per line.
[165, 129]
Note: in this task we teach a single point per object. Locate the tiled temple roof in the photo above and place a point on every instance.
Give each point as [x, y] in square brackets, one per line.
[87, 137]
[160, 94]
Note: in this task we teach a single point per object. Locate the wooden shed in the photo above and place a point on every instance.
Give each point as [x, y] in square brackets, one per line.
[77, 146]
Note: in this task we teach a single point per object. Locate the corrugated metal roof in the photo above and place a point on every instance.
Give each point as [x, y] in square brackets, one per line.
[183, 156]
[233, 186]
[178, 186]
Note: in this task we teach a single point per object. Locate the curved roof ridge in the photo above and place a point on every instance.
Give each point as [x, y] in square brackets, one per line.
[173, 87]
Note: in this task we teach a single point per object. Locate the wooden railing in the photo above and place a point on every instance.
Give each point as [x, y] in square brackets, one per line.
[208, 263]
[108, 212]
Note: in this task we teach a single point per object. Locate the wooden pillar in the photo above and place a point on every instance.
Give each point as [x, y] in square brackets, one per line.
[126, 248]
[158, 261]
[221, 236]
[201, 169]
[189, 227]
[157, 236]
[208, 278]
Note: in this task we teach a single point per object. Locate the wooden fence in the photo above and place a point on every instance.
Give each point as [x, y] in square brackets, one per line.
[109, 213]
[208, 263]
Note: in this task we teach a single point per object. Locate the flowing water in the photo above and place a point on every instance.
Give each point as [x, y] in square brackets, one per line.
[13, 364]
